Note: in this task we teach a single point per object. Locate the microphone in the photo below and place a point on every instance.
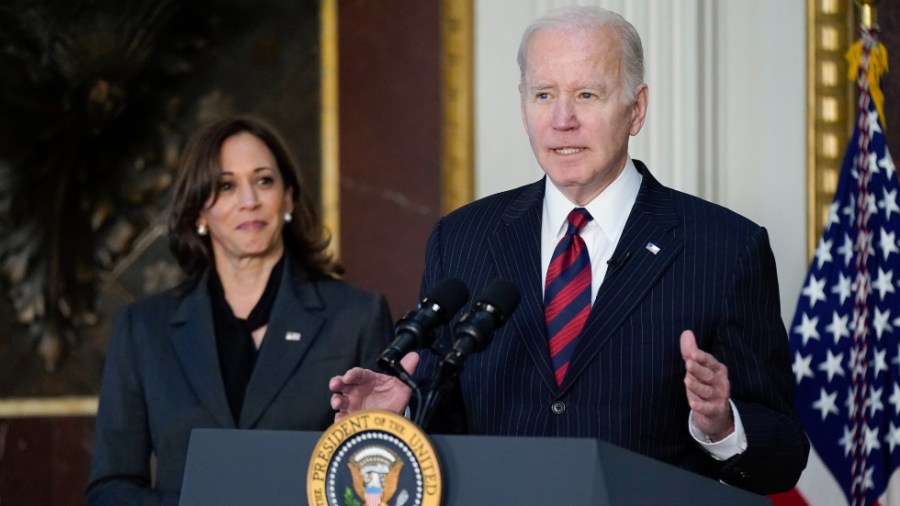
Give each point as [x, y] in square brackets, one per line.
[618, 262]
[475, 329]
[416, 328]
[473, 332]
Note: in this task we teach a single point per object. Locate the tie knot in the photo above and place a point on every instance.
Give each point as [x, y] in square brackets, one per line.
[577, 219]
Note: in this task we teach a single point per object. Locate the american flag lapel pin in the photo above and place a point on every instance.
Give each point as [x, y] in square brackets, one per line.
[652, 248]
[292, 336]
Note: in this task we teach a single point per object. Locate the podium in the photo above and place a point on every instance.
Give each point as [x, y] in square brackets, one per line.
[230, 467]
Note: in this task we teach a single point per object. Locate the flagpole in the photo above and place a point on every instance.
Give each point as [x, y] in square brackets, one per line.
[867, 12]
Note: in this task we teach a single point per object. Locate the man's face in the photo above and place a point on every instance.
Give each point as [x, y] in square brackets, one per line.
[577, 116]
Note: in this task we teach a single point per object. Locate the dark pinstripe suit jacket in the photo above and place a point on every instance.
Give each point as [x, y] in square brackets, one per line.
[714, 273]
[162, 378]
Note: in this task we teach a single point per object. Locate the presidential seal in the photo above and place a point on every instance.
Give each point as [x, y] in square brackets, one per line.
[374, 458]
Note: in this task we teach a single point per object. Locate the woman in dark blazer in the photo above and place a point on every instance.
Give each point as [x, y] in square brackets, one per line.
[249, 340]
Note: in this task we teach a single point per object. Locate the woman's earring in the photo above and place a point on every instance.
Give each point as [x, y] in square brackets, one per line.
[288, 218]
[202, 230]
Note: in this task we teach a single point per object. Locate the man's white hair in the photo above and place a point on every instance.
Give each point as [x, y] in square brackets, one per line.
[587, 17]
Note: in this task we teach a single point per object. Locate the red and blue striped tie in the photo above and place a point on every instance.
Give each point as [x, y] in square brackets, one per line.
[567, 294]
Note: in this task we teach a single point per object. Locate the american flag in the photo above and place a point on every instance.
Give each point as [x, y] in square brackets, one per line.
[845, 337]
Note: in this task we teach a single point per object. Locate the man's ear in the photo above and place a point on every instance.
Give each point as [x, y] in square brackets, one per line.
[639, 109]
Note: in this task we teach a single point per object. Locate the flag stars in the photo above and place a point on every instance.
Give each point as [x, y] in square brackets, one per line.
[833, 217]
[807, 328]
[872, 125]
[887, 242]
[879, 362]
[894, 400]
[887, 164]
[823, 252]
[847, 440]
[888, 203]
[874, 402]
[871, 205]
[815, 290]
[850, 209]
[846, 250]
[842, 288]
[801, 367]
[831, 365]
[838, 326]
[871, 441]
[893, 438]
[864, 481]
[826, 404]
[896, 359]
[868, 482]
[872, 162]
[885, 283]
[881, 322]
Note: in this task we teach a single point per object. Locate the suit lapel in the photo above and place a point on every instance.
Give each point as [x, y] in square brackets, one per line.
[516, 247]
[651, 221]
[294, 325]
[194, 339]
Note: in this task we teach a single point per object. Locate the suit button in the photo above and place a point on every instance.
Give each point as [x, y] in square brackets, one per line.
[741, 472]
[558, 407]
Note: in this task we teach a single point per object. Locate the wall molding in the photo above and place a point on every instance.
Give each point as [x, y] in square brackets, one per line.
[457, 130]
[329, 121]
[32, 407]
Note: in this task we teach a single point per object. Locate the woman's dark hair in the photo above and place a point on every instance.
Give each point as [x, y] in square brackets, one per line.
[198, 178]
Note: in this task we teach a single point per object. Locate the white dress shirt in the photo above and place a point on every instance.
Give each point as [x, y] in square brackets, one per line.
[610, 210]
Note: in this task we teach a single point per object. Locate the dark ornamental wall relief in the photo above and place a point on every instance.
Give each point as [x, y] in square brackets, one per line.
[96, 100]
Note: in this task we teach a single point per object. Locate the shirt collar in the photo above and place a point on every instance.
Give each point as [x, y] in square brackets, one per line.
[609, 209]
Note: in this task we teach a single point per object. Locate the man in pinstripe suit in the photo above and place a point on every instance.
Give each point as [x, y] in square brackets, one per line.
[683, 356]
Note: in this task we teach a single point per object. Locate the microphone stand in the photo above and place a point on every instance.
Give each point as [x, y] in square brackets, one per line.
[447, 378]
[448, 375]
[395, 369]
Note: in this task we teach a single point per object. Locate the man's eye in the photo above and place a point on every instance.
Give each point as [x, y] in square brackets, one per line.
[542, 96]
[586, 95]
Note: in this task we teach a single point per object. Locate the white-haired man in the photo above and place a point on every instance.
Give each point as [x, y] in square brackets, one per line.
[649, 318]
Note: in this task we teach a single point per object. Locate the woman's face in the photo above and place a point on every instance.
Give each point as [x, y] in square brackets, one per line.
[246, 220]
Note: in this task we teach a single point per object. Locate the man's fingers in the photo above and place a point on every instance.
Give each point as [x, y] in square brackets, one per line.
[707, 373]
[410, 361]
[699, 389]
[338, 402]
[352, 377]
[693, 355]
[335, 384]
[688, 345]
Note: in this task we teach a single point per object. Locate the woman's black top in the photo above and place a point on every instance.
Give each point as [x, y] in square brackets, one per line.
[234, 339]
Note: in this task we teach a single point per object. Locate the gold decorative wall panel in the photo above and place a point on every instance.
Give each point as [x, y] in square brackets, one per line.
[457, 103]
[830, 106]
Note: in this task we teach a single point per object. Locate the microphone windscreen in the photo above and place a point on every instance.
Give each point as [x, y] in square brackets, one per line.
[450, 294]
[501, 294]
